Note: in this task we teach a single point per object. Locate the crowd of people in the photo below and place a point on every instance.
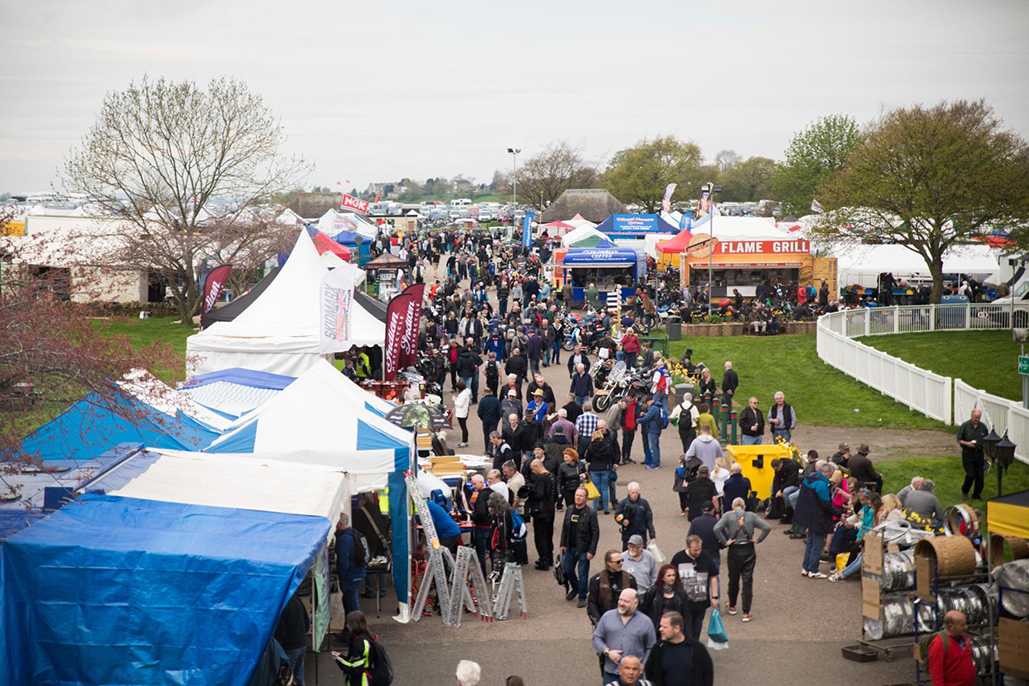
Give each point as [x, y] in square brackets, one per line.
[555, 455]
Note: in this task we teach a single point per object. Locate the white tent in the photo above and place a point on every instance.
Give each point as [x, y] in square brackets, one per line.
[580, 234]
[332, 223]
[278, 333]
[241, 482]
[578, 222]
[740, 228]
[862, 264]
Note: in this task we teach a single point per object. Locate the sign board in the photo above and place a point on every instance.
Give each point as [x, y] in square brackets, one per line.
[1023, 364]
[732, 247]
[631, 225]
[870, 592]
[349, 202]
[13, 228]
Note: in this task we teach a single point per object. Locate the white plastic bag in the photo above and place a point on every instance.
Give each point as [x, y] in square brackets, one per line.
[659, 557]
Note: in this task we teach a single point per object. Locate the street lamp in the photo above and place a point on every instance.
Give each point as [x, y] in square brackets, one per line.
[711, 190]
[514, 175]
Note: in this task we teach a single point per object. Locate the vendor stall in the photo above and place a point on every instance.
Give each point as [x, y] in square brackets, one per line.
[608, 267]
[383, 270]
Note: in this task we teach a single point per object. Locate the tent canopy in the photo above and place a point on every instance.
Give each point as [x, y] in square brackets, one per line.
[863, 263]
[1008, 515]
[583, 237]
[234, 392]
[117, 590]
[332, 223]
[677, 244]
[231, 310]
[279, 331]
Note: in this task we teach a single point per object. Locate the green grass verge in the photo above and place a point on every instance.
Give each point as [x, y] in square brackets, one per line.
[983, 359]
[143, 332]
[819, 393]
[947, 474]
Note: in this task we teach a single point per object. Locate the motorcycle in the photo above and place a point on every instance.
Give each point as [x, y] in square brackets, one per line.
[617, 384]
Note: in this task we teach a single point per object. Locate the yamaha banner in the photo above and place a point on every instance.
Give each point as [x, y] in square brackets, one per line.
[214, 284]
[402, 319]
[527, 229]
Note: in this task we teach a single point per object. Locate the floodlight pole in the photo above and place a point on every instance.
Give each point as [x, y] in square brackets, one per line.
[712, 189]
[514, 175]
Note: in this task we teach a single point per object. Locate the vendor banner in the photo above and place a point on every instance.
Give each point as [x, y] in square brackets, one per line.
[731, 247]
[527, 229]
[214, 284]
[337, 311]
[402, 318]
[349, 202]
[666, 202]
[687, 220]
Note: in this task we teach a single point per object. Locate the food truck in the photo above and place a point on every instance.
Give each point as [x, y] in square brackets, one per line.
[608, 267]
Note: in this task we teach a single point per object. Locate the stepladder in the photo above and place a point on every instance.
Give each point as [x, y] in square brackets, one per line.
[469, 594]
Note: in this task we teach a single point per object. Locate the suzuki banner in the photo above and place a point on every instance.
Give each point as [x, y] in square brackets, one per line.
[337, 310]
[349, 202]
[214, 284]
[402, 319]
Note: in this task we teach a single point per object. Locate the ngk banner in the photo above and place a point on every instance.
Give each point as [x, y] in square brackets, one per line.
[349, 202]
[337, 310]
[214, 284]
[402, 319]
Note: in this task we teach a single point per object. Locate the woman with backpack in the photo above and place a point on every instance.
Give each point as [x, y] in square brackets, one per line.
[507, 538]
[366, 662]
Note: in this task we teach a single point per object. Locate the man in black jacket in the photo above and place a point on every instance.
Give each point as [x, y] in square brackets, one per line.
[291, 633]
[677, 656]
[539, 506]
[481, 519]
[517, 365]
[730, 382]
[861, 468]
[752, 423]
[577, 357]
[606, 586]
[582, 385]
[784, 483]
[489, 414]
[580, 534]
[548, 392]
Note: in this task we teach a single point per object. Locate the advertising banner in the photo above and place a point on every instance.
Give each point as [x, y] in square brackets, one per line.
[732, 247]
[402, 319]
[666, 202]
[349, 202]
[337, 310]
[214, 284]
[527, 229]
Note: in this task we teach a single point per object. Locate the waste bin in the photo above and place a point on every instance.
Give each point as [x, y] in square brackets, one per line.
[950, 313]
[674, 328]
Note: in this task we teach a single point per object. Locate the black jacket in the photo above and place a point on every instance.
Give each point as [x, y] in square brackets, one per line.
[467, 362]
[516, 365]
[620, 581]
[548, 393]
[653, 604]
[291, 632]
[480, 510]
[749, 418]
[582, 384]
[600, 456]
[568, 476]
[542, 495]
[788, 475]
[638, 517]
[515, 438]
[730, 381]
[703, 668]
[588, 534]
[573, 361]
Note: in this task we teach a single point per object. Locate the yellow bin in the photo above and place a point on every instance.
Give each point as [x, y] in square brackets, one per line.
[756, 463]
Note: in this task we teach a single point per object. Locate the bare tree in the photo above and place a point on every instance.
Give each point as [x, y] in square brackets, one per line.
[549, 173]
[160, 153]
[727, 158]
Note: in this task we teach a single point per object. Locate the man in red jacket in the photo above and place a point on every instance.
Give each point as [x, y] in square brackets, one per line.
[950, 663]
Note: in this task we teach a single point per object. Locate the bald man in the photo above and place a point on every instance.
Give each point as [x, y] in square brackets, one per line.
[951, 663]
[627, 628]
[970, 438]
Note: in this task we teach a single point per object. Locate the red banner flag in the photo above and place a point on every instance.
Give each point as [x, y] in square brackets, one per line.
[214, 284]
[403, 317]
[349, 202]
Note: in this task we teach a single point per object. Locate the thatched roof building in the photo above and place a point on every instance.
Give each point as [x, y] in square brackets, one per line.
[594, 204]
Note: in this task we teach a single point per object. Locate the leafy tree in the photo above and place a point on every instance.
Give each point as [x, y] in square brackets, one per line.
[157, 156]
[929, 178]
[748, 180]
[641, 173]
[813, 155]
[550, 172]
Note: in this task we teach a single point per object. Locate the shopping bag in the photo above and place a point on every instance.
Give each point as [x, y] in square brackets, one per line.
[591, 490]
[716, 636]
[659, 557]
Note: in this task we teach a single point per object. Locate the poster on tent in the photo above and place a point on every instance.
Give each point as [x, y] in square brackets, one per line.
[337, 311]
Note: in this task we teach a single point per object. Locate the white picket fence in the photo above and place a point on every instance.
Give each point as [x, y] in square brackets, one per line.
[938, 397]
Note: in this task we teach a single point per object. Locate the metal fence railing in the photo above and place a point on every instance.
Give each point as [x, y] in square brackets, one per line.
[936, 396]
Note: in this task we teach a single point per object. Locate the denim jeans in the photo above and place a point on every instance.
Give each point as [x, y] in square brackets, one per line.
[556, 346]
[787, 492]
[480, 539]
[577, 571]
[296, 662]
[853, 568]
[654, 443]
[751, 440]
[783, 433]
[600, 480]
[467, 381]
[349, 588]
[661, 397]
[581, 400]
[813, 551]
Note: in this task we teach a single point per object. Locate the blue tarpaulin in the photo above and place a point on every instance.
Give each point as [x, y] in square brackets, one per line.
[90, 427]
[123, 591]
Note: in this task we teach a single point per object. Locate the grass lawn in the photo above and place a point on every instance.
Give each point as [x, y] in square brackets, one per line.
[143, 332]
[947, 474]
[983, 359]
[820, 394]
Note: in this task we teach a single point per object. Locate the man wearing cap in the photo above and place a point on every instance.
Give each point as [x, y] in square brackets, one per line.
[842, 456]
[861, 469]
[970, 438]
[639, 562]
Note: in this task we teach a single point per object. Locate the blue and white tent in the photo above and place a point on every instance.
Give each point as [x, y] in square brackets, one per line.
[323, 418]
[236, 391]
[115, 590]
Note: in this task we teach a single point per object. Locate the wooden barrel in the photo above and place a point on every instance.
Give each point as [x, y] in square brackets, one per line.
[954, 555]
[1000, 545]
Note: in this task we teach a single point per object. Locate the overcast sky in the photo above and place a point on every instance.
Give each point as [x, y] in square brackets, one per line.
[378, 90]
